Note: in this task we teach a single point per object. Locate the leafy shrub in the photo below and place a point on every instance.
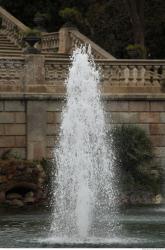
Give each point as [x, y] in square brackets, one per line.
[70, 15]
[135, 158]
[140, 50]
[32, 32]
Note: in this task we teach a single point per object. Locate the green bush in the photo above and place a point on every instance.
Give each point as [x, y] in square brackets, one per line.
[70, 15]
[135, 158]
[136, 50]
[32, 32]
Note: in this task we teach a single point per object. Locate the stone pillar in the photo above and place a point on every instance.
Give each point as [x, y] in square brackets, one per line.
[36, 129]
[65, 42]
[34, 69]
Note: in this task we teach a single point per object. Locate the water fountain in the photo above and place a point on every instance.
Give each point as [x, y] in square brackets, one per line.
[84, 185]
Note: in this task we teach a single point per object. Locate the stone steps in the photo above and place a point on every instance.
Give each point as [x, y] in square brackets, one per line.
[9, 49]
[5, 48]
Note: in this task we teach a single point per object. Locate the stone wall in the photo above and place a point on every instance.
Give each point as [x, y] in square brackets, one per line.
[13, 127]
[30, 123]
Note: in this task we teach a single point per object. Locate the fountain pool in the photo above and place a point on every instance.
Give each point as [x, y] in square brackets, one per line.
[142, 227]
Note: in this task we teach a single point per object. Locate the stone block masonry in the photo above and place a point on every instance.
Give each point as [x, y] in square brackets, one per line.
[30, 123]
[13, 127]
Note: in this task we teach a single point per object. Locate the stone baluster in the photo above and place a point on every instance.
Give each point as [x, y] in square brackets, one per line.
[126, 75]
[139, 75]
[105, 74]
[142, 75]
[113, 74]
[147, 75]
[135, 75]
[156, 77]
[50, 42]
[162, 81]
[131, 75]
[116, 75]
[121, 78]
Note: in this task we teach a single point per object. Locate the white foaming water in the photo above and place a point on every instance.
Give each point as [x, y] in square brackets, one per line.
[84, 185]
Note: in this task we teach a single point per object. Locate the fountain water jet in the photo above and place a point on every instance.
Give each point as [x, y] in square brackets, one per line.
[84, 187]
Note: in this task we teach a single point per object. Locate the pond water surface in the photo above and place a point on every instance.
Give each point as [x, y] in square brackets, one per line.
[141, 227]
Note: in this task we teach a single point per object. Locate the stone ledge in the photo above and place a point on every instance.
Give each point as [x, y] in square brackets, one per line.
[48, 96]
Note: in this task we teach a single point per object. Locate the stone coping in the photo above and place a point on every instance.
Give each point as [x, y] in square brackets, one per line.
[99, 61]
[115, 62]
[13, 19]
[48, 96]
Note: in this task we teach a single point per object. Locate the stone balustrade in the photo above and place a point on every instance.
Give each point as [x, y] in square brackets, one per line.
[77, 39]
[116, 75]
[12, 27]
[133, 72]
[50, 42]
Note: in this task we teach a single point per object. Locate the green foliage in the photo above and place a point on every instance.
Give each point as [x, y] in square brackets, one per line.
[70, 14]
[32, 32]
[135, 158]
[105, 22]
[10, 154]
[139, 50]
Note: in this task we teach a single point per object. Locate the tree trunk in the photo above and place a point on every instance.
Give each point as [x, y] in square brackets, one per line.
[136, 13]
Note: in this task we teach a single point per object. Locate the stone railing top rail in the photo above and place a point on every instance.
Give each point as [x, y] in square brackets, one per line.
[132, 61]
[82, 38]
[114, 62]
[5, 14]
[50, 34]
[98, 61]
[109, 96]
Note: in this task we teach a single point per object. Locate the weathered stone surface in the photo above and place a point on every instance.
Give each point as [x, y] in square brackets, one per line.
[55, 106]
[29, 200]
[3, 179]
[35, 70]
[13, 196]
[29, 195]
[51, 141]
[157, 106]
[36, 129]
[116, 106]
[53, 129]
[7, 117]
[159, 151]
[157, 129]
[2, 196]
[158, 199]
[15, 129]
[158, 140]
[20, 141]
[2, 130]
[139, 105]
[20, 117]
[122, 117]
[19, 183]
[149, 117]
[1, 105]
[7, 141]
[14, 105]
[17, 203]
[53, 117]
